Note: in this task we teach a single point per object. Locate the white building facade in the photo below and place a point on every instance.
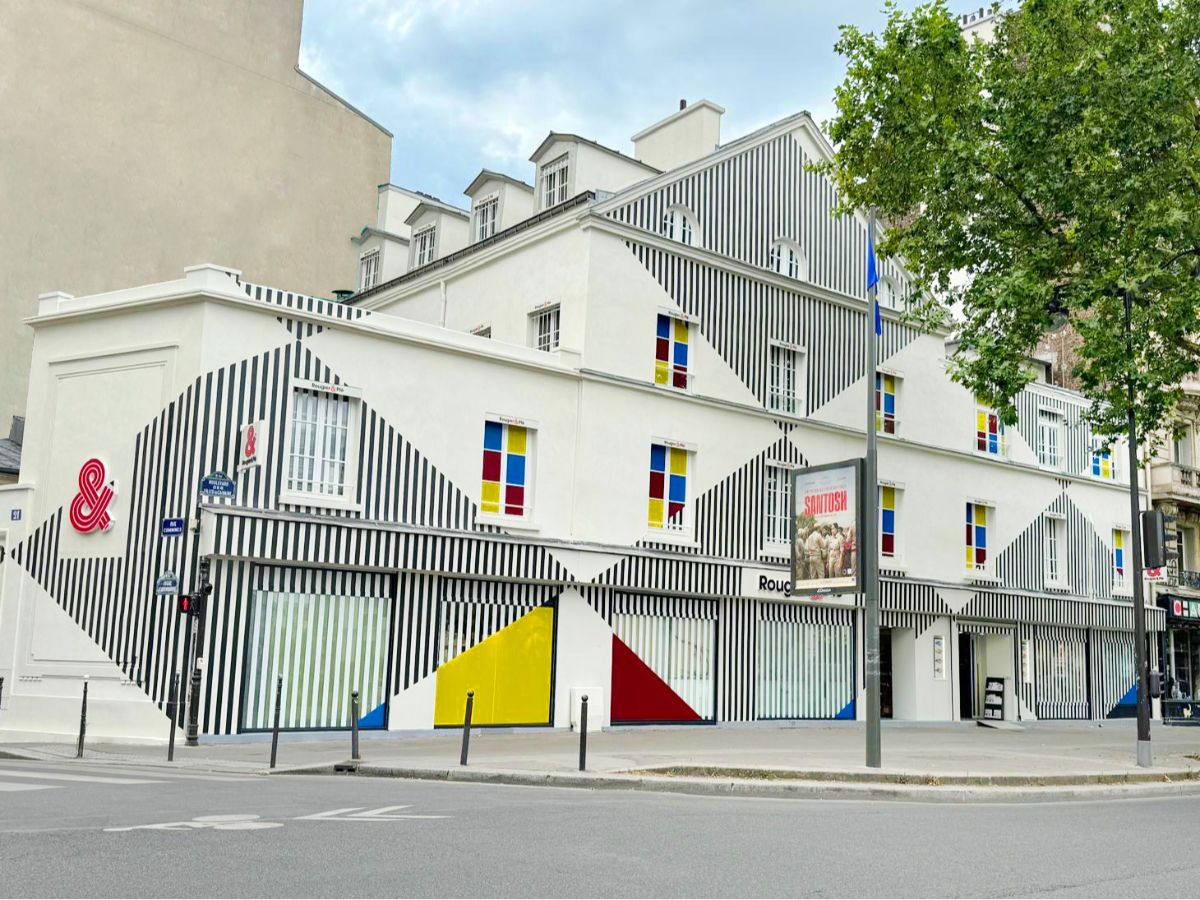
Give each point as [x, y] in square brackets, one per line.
[552, 460]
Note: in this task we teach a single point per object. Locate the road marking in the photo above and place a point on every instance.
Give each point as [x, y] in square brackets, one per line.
[63, 776]
[8, 786]
[382, 814]
[234, 822]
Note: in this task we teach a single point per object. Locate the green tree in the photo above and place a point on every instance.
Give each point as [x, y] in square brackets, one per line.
[1038, 176]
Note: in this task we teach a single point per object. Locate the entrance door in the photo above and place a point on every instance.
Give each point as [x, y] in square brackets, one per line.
[966, 676]
[885, 673]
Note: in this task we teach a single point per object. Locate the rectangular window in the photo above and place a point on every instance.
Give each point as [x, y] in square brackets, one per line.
[1121, 547]
[485, 218]
[668, 487]
[778, 505]
[1102, 465]
[885, 403]
[1049, 439]
[671, 352]
[423, 246]
[506, 452]
[545, 323]
[320, 441]
[887, 521]
[554, 182]
[1056, 542]
[368, 271]
[979, 521]
[783, 373]
[989, 430]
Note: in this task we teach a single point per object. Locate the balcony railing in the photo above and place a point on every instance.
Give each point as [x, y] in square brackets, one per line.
[1176, 481]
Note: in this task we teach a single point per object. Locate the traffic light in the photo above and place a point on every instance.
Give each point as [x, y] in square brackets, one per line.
[186, 604]
[193, 604]
[1154, 539]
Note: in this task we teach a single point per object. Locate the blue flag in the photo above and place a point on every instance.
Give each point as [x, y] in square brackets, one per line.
[873, 274]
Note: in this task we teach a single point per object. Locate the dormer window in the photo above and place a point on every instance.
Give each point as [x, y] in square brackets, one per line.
[485, 216]
[678, 226]
[788, 259]
[423, 246]
[554, 182]
[889, 296]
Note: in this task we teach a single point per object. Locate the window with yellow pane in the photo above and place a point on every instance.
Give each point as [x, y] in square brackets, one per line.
[671, 352]
[506, 453]
[668, 487]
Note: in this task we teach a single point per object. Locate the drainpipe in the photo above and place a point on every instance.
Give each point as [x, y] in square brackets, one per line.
[442, 286]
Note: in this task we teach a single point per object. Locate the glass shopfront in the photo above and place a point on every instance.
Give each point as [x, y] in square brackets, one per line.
[1180, 660]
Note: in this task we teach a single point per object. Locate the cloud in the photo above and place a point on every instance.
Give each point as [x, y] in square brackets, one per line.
[465, 84]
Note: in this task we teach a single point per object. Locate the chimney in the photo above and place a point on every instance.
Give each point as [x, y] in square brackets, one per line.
[692, 132]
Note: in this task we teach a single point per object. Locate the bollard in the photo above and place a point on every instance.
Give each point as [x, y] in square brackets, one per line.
[583, 733]
[172, 706]
[275, 728]
[462, 759]
[1, 690]
[82, 722]
[354, 725]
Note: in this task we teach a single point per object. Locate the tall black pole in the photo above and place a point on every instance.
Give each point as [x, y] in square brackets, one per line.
[1145, 755]
[870, 543]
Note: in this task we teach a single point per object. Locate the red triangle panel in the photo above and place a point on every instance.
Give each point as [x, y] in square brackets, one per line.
[639, 695]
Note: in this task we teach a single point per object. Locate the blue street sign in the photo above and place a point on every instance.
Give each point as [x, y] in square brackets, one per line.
[166, 584]
[15, 515]
[172, 527]
[218, 484]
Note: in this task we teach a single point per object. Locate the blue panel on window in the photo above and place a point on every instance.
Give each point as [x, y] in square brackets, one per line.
[980, 537]
[889, 403]
[664, 326]
[658, 458]
[678, 488]
[516, 470]
[993, 445]
[889, 521]
[681, 354]
[970, 516]
[493, 432]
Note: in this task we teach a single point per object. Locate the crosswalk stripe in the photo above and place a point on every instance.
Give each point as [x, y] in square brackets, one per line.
[64, 776]
[9, 786]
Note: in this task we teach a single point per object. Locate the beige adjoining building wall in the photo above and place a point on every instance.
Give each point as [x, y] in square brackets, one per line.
[137, 136]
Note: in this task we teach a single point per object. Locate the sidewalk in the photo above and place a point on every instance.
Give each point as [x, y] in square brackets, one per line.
[1039, 753]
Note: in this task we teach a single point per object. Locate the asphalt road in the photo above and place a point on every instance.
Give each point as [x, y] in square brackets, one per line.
[321, 836]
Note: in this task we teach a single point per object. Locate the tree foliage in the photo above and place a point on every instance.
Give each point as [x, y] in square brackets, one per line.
[1039, 176]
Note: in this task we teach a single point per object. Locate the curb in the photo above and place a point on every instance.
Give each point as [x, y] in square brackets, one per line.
[795, 789]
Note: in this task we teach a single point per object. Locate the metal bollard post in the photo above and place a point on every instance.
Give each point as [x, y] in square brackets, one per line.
[583, 733]
[462, 759]
[275, 728]
[354, 725]
[82, 722]
[172, 707]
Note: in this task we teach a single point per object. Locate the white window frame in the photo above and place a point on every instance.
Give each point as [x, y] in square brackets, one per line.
[1123, 584]
[988, 570]
[554, 181]
[679, 225]
[525, 521]
[787, 258]
[684, 530]
[486, 216]
[896, 560]
[693, 325]
[779, 353]
[899, 382]
[889, 292]
[1058, 431]
[1054, 550]
[548, 339]
[1001, 437]
[348, 499]
[368, 269]
[424, 246]
[777, 524]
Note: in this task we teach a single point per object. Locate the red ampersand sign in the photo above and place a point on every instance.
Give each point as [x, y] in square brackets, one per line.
[89, 509]
[251, 442]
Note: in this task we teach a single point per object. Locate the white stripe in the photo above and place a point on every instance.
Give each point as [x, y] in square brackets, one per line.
[56, 776]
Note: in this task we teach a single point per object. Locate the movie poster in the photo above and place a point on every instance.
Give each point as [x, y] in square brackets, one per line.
[825, 529]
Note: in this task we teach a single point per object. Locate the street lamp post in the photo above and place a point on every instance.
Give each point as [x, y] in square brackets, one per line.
[1145, 755]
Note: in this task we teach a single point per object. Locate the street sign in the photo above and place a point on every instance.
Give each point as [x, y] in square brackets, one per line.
[217, 484]
[172, 527]
[167, 584]
[15, 515]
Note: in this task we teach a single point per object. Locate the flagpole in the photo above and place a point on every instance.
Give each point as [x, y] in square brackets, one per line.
[870, 538]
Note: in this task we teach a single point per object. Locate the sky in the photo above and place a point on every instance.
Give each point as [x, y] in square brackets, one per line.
[471, 84]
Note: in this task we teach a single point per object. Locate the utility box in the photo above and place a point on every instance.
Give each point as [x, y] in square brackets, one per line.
[597, 711]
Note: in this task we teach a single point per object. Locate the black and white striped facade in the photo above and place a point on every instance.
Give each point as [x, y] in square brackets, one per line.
[445, 577]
